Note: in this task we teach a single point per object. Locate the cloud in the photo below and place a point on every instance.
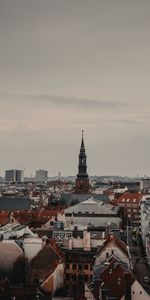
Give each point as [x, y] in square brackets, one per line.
[79, 102]
[63, 101]
[35, 112]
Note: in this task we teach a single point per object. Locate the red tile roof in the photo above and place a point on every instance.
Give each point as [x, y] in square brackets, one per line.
[40, 216]
[133, 198]
[115, 278]
[4, 217]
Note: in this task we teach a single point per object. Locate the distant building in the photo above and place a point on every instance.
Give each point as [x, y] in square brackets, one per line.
[145, 185]
[130, 204]
[145, 217]
[41, 175]
[82, 181]
[147, 248]
[14, 175]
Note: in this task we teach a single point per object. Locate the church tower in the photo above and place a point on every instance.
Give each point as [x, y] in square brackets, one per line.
[82, 180]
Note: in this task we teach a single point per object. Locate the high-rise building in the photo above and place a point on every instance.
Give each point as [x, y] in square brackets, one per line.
[19, 175]
[41, 175]
[14, 175]
[82, 180]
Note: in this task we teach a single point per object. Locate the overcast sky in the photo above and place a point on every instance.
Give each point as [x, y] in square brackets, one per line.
[68, 65]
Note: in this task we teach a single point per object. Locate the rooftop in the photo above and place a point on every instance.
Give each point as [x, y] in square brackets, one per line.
[15, 203]
[92, 206]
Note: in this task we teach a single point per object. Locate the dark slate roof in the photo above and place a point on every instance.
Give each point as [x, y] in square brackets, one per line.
[15, 203]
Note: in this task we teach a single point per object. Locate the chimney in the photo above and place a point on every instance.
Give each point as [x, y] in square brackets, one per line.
[70, 244]
[86, 241]
[107, 254]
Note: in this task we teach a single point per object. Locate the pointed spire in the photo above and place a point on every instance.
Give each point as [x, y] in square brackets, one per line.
[82, 141]
[82, 133]
[82, 180]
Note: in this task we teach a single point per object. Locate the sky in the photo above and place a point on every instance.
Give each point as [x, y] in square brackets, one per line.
[68, 65]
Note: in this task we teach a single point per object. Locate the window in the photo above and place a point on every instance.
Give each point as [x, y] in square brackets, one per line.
[62, 235]
[67, 266]
[80, 267]
[129, 215]
[67, 276]
[128, 200]
[123, 200]
[91, 267]
[74, 267]
[134, 200]
[55, 234]
[86, 267]
[128, 210]
[80, 277]
[86, 278]
[134, 210]
[74, 277]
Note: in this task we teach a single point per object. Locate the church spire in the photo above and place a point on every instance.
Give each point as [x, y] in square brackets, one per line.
[82, 167]
[82, 181]
[82, 148]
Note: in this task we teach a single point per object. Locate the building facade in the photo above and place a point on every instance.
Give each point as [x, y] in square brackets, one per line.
[41, 175]
[14, 175]
[145, 217]
[130, 204]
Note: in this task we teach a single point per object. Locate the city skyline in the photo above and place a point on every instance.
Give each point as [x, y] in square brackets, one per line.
[73, 65]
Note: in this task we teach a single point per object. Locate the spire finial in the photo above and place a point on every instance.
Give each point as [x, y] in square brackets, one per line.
[82, 133]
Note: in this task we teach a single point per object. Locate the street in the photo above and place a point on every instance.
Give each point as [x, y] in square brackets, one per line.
[140, 266]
